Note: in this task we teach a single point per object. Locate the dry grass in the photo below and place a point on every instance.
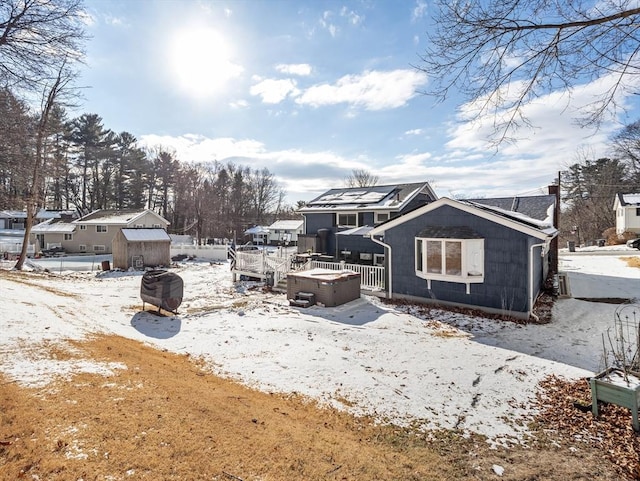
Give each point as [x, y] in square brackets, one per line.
[632, 261]
[167, 417]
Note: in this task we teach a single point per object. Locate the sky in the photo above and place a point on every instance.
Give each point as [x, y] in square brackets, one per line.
[312, 91]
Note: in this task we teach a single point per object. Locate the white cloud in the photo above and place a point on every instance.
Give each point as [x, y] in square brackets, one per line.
[419, 11]
[414, 132]
[274, 91]
[374, 90]
[301, 69]
[351, 16]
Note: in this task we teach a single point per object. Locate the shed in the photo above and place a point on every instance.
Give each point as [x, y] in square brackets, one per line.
[140, 248]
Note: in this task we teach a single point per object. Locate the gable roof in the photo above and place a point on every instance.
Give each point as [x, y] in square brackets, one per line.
[536, 206]
[628, 199]
[378, 197]
[520, 222]
[117, 217]
[287, 224]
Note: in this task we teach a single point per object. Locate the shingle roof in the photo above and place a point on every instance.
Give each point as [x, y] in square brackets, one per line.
[147, 235]
[538, 207]
[358, 198]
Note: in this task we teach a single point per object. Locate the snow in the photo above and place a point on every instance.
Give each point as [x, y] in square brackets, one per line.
[442, 370]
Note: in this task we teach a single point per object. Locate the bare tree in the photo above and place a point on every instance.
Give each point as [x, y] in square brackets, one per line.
[36, 36]
[501, 54]
[34, 194]
[361, 178]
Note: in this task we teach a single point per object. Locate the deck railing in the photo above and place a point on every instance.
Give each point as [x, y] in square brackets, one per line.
[371, 277]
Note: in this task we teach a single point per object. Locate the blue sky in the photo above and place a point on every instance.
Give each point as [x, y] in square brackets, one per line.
[312, 90]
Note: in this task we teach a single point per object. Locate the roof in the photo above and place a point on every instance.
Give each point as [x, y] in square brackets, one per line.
[117, 217]
[629, 199]
[359, 231]
[378, 197]
[538, 207]
[520, 222]
[42, 214]
[146, 234]
[287, 224]
[258, 229]
[53, 226]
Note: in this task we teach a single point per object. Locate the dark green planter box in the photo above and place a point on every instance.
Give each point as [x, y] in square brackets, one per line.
[609, 386]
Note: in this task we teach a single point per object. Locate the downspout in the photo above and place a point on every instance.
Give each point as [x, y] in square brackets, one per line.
[389, 257]
[531, 299]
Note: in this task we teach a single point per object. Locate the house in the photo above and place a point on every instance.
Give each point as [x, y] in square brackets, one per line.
[627, 209]
[12, 227]
[258, 234]
[336, 222]
[285, 232]
[468, 253]
[54, 232]
[141, 247]
[94, 232]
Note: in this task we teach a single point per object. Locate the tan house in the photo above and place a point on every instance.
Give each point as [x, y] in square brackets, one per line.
[94, 232]
[140, 248]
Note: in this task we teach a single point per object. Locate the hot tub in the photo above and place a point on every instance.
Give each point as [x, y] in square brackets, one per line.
[330, 288]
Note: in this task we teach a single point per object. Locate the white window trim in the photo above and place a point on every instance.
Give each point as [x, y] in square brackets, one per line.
[378, 260]
[82, 248]
[467, 248]
[377, 218]
[83, 227]
[338, 214]
[67, 237]
[106, 229]
[99, 248]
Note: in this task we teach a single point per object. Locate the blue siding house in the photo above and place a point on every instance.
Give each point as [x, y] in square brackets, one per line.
[337, 222]
[486, 254]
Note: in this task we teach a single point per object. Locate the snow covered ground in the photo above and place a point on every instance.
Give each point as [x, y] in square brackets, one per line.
[447, 371]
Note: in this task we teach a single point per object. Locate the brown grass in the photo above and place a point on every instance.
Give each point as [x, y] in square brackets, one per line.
[166, 417]
[632, 261]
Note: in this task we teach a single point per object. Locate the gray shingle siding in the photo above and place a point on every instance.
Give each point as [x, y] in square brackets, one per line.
[506, 258]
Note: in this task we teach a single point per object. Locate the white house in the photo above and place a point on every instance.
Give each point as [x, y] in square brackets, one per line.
[627, 209]
[285, 232]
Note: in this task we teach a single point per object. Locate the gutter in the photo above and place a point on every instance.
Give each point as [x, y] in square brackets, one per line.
[389, 257]
[531, 299]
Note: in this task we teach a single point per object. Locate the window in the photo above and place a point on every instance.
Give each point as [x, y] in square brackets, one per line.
[101, 228]
[381, 217]
[99, 248]
[68, 237]
[157, 226]
[451, 260]
[82, 248]
[83, 227]
[378, 260]
[638, 211]
[348, 219]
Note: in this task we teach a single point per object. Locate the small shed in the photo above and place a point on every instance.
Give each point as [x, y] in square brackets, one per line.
[139, 248]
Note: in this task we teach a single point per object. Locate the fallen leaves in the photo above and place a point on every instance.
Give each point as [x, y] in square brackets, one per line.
[562, 417]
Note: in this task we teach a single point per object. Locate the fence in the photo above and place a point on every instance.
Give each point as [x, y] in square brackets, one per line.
[371, 277]
[211, 252]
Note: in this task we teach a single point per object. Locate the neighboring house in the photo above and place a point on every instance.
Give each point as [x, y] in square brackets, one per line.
[140, 248]
[12, 226]
[56, 232]
[468, 253]
[285, 232]
[336, 222]
[95, 232]
[627, 209]
[258, 234]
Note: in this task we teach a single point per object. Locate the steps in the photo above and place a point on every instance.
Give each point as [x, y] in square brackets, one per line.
[303, 299]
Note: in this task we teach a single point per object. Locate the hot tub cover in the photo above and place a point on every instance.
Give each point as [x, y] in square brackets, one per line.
[162, 289]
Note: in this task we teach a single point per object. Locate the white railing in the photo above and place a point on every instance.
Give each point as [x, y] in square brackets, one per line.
[259, 262]
[371, 277]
